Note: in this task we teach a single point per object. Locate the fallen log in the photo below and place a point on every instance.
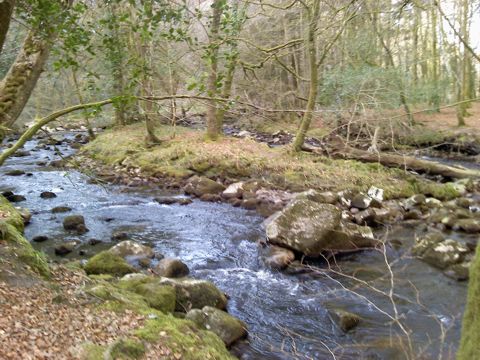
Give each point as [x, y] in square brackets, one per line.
[339, 150]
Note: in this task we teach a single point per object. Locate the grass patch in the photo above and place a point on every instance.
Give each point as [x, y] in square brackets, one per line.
[240, 159]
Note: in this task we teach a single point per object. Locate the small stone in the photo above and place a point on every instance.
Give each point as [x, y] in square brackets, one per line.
[40, 238]
[94, 242]
[344, 319]
[15, 173]
[119, 236]
[61, 209]
[48, 195]
[278, 257]
[66, 248]
[75, 223]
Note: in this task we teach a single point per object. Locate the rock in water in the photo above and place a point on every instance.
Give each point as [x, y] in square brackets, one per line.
[129, 248]
[65, 248]
[312, 228]
[225, 326]
[171, 268]
[344, 319]
[60, 209]
[48, 195]
[73, 222]
[278, 257]
[15, 173]
[199, 186]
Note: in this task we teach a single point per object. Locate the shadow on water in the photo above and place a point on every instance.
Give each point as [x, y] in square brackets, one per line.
[288, 315]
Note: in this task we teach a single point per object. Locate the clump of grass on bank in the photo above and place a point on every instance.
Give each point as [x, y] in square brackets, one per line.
[188, 153]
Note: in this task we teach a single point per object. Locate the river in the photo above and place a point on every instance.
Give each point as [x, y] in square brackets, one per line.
[287, 314]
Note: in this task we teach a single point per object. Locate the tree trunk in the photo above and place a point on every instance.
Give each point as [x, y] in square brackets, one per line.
[343, 151]
[311, 44]
[6, 11]
[213, 126]
[81, 99]
[18, 84]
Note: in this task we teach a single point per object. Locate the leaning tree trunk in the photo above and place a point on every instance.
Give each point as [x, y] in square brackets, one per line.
[6, 11]
[18, 84]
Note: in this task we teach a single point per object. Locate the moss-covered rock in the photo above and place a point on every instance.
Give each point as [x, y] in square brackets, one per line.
[19, 248]
[195, 294]
[10, 215]
[185, 338]
[226, 327]
[160, 297]
[107, 263]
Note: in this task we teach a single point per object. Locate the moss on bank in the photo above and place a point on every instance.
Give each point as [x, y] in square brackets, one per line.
[179, 336]
[188, 153]
[470, 343]
[18, 249]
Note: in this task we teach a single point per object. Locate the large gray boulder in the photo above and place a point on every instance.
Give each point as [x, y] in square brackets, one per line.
[313, 228]
[225, 326]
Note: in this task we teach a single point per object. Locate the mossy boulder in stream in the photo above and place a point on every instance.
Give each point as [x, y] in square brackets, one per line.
[107, 263]
[313, 228]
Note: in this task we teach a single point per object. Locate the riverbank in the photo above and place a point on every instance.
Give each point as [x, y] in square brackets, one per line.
[56, 311]
[236, 159]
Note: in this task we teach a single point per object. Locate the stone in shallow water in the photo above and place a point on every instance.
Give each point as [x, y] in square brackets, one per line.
[171, 268]
[65, 248]
[61, 209]
[344, 319]
[129, 248]
[15, 172]
[40, 238]
[278, 257]
[48, 195]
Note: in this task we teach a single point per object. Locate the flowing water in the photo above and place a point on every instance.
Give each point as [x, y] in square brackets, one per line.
[287, 314]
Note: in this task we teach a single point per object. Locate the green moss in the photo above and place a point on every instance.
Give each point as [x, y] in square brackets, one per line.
[242, 159]
[470, 342]
[107, 263]
[158, 297]
[127, 349]
[10, 215]
[183, 337]
[24, 251]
